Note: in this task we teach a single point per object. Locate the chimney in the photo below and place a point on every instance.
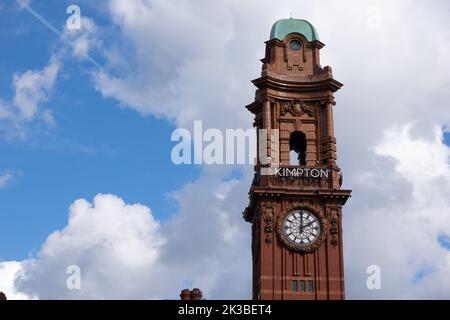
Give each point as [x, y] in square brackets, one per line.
[195, 294]
[185, 294]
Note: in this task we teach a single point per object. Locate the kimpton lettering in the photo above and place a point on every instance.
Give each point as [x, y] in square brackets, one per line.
[317, 173]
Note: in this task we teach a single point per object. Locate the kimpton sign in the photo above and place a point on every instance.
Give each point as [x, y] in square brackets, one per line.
[317, 173]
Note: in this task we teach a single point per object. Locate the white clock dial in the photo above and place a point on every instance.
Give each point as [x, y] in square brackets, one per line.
[301, 227]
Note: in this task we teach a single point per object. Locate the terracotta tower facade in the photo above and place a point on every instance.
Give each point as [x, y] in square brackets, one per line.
[296, 198]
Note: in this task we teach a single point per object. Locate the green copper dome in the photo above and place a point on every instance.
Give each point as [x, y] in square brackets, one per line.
[283, 27]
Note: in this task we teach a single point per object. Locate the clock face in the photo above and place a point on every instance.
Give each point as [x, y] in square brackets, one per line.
[295, 45]
[301, 227]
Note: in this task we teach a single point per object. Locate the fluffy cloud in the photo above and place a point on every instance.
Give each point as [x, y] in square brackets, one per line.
[123, 252]
[7, 177]
[183, 54]
[208, 241]
[34, 87]
[402, 232]
[114, 245]
[8, 271]
[5, 113]
[79, 43]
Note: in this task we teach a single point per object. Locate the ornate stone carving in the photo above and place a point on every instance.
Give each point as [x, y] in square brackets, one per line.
[333, 217]
[296, 108]
[247, 215]
[268, 213]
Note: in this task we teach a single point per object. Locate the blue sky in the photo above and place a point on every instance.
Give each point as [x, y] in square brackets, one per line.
[95, 147]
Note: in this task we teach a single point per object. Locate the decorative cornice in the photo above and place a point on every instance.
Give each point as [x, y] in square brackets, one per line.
[268, 81]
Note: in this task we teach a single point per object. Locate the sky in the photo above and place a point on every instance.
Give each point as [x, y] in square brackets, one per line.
[86, 118]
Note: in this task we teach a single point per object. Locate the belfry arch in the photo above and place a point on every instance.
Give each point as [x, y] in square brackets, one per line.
[298, 144]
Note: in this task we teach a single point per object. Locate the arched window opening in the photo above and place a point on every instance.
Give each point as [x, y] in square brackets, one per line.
[297, 143]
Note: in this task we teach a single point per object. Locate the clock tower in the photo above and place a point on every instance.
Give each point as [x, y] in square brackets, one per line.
[296, 199]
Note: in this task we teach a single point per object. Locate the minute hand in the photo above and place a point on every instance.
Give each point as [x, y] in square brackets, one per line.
[308, 224]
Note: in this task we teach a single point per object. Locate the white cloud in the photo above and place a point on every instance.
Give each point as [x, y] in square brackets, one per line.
[208, 241]
[5, 112]
[81, 42]
[47, 116]
[401, 234]
[416, 156]
[183, 54]
[123, 252]
[23, 3]
[34, 87]
[7, 177]
[8, 271]
[113, 243]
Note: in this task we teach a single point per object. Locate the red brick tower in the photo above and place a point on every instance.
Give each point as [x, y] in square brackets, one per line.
[296, 198]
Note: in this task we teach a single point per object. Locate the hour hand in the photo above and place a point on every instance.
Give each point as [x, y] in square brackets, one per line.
[308, 224]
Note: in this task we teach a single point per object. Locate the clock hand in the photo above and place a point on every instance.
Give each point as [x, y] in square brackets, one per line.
[308, 224]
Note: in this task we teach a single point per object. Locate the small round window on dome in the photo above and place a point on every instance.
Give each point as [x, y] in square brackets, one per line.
[295, 45]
